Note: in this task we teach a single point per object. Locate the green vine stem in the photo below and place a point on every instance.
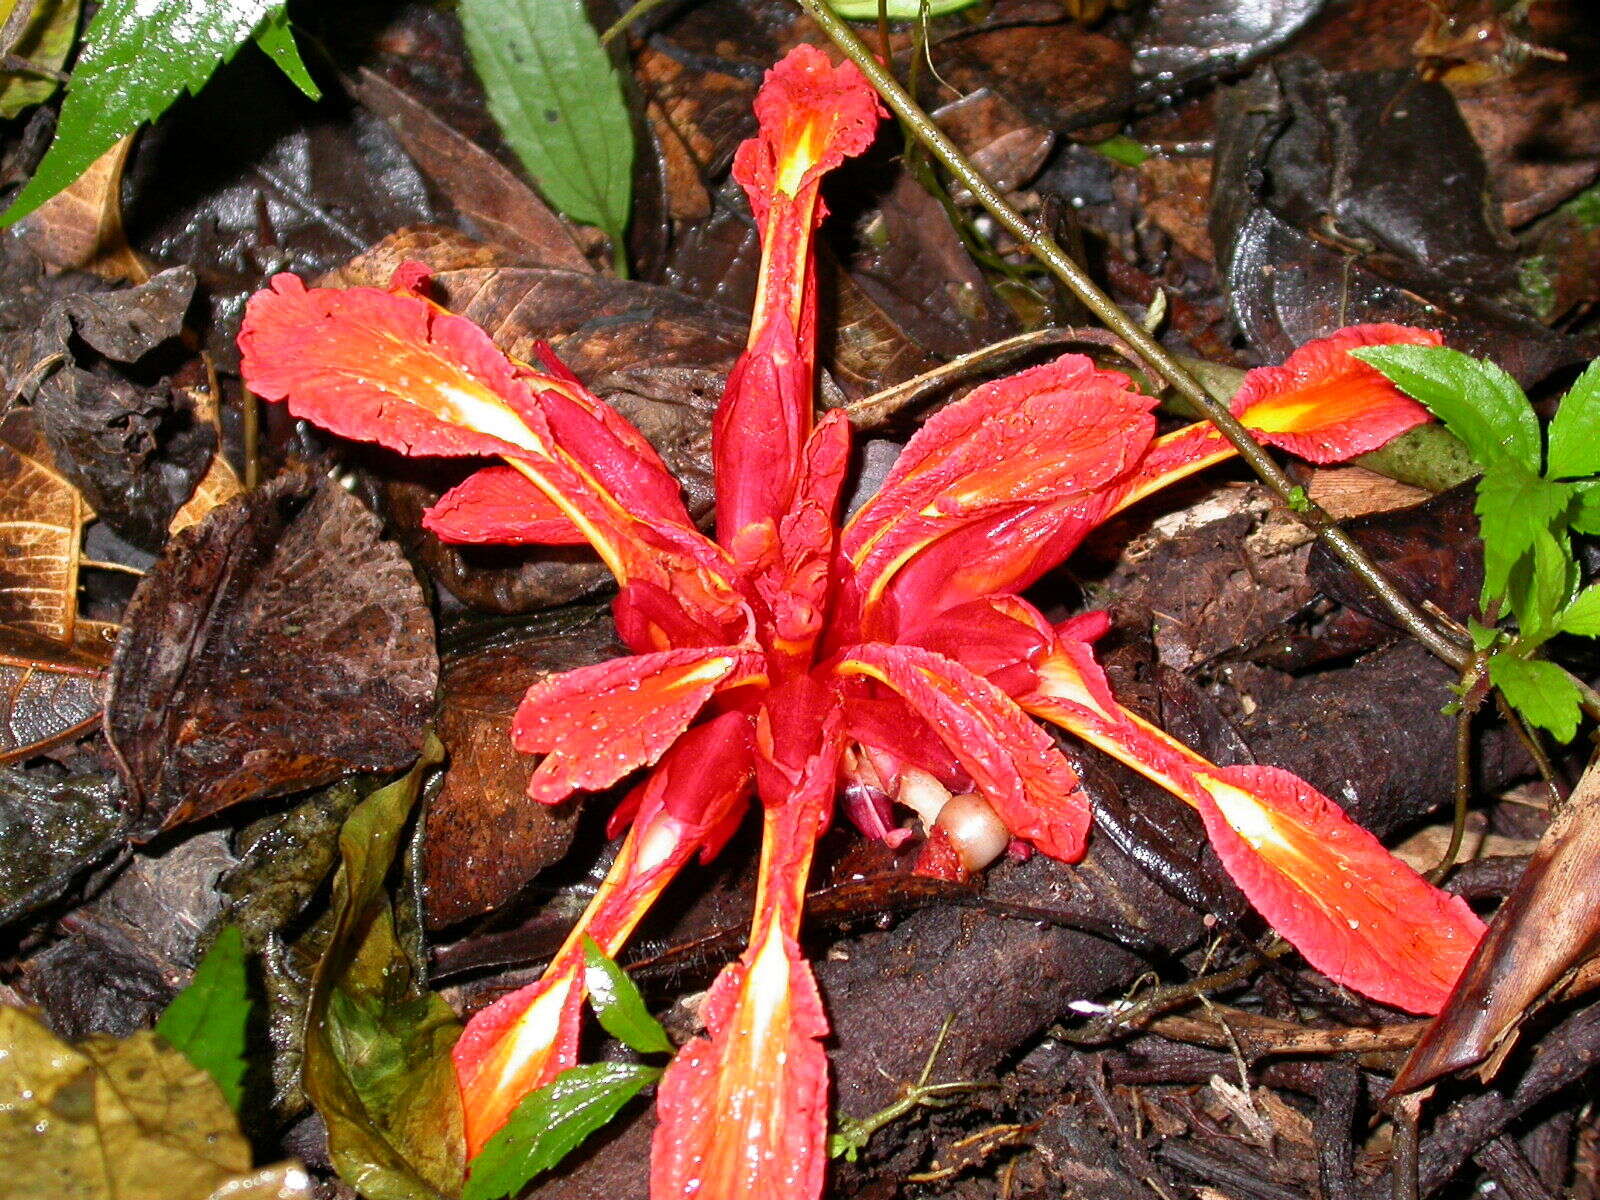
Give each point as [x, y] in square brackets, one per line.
[1056, 260]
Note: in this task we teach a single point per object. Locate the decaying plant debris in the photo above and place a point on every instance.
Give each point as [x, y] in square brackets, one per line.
[241, 753]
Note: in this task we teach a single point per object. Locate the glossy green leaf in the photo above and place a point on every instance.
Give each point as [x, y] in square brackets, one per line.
[1582, 616]
[1514, 507]
[1575, 429]
[208, 1021]
[377, 1042]
[138, 57]
[1550, 577]
[1476, 400]
[276, 40]
[1541, 691]
[617, 1002]
[551, 1123]
[44, 41]
[558, 100]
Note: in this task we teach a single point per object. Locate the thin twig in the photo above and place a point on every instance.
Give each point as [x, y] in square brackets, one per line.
[1057, 261]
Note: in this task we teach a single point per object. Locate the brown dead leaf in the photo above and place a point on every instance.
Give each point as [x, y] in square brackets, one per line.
[485, 838]
[504, 208]
[221, 482]
[41, 532]
[80, 229]
[1548, 927]
[277, 645]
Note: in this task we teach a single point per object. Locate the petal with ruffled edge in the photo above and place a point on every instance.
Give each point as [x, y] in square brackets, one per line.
[744, 1110]
[1011, 761]
[1357, 913]
[394, 369]
[596, 724]
[522, 1041]
[999, 487]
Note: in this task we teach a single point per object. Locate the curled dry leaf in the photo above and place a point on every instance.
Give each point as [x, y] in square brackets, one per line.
[1548, 927]
[504, 208]
[275, 646]
[1323, 215]
[80, 228]
[484, 839]
[134, 450]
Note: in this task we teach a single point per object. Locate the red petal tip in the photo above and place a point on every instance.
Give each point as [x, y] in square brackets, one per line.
[1327, 406]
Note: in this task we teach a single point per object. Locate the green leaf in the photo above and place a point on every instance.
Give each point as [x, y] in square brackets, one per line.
[1477, 401]
[1575, 429]
[377, 1042]
[616, 1001]
[45, 41]
[1582, 616]
[551, 1123]
[276, 40]
[1514, 508]
[1123, 150]
[558, 101]
[138, 57]
[1585, 516]
[209, 1019]
[1541, 691]
[1542, 585]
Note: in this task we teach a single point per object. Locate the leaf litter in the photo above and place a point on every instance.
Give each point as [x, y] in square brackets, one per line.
[284, 642]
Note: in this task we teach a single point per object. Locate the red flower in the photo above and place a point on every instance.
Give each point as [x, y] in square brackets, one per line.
[789, 656]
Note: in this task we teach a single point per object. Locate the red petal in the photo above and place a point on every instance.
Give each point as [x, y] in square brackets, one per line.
[500, 506]
[760, 429]
[520, 1042]
[1019, 463]
[1321, 404]
[620, 457]
[744, 1112]
[1358, 914]
[596, 724]
[379, 367]
[1010, 759]
[813, 116]
[1326, 406]
[523, 1040]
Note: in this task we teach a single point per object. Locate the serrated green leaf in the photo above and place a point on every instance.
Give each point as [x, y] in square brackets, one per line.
[558, 100]
[44, 41]
[617, 1002]
[1514, 507]
[551, 1123]
[377, 1041]
[1551, 578]
[1575, 429]
[1477, 401]
[208, 1021]
[1582, 616]
[276, 40]
[1585, 515]
[1541, 691]
[138, 57]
